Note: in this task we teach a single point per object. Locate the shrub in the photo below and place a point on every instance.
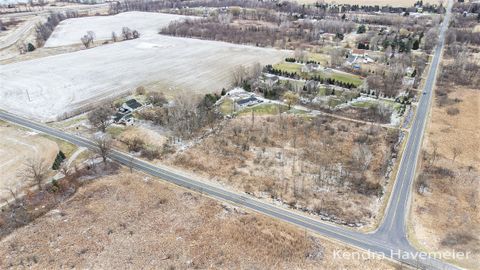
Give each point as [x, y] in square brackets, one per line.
[30, 47]
[457, 238]
[140, 90]
[150, 153]
[453, 111]
[58, 160]
[156, 98]
[135, 145]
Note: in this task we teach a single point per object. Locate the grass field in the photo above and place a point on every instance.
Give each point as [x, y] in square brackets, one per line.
[446, 217]
[289, 67]
[347, 78]
[339, 76]
[322, 59]
[264, 109]
[68, 82]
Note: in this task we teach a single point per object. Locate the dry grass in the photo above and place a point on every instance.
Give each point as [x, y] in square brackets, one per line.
[315, 165]
[446, 217]
[16, 146]
[133, 221]
[395, 3]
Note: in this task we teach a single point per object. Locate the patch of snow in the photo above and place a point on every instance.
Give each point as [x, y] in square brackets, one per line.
[70, 31]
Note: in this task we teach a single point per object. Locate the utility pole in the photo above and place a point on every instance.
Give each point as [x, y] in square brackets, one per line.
[28, 95]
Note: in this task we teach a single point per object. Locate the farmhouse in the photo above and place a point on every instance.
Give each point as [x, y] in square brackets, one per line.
[131, 105]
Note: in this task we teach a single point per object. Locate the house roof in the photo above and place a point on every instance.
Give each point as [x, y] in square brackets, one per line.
[133, 103]
[118, 116]
[247, 100]
[351, 59]
[358, 51]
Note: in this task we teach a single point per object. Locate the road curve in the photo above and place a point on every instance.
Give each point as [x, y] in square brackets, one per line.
[388, 240]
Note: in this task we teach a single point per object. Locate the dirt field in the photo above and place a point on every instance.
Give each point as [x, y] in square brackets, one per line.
[68, 32]
[16, 146]
[64, 83]
[133, 221]
[445, 215]
[401, 3]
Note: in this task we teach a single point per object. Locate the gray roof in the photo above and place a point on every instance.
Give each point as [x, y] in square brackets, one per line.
[133, 103]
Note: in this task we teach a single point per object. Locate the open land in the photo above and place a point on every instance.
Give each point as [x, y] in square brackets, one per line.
[16, 146]
[70, 31]
[445, 212]
[62, 84]
[155, 225]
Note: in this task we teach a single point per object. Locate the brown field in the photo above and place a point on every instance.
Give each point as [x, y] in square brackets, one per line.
[325, 166]
[401, 3]
[16, 146]
[133, 221]
[446, 216]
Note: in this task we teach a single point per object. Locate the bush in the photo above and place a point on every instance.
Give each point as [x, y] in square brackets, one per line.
[30, 47]
[140, 90]
[156, 98]
[453, 111]
[58, 160]
[150, 153]
[135, 144]
[458, 238]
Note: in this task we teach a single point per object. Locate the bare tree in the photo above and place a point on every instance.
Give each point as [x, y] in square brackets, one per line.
[256, 70]
[114, 36]
[239, 75]
[127, 33]
[135, 34]
[374, 82]
[430, 39]
[157, 98]
[301, 55]
[224, 18]
[13, 193]
[87, 39]
[35, 171]
[337, 57]
[100, 118]
[103, 143]
[456, 151]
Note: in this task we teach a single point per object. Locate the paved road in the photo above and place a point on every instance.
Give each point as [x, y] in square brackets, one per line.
[389, 239]
[34, 17]
[394, 220]
[364, 241]
[19, 33]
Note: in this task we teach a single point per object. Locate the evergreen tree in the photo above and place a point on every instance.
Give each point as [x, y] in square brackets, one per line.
[30, 47]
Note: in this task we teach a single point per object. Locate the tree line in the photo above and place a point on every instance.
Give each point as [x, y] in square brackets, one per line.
[44, 30]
